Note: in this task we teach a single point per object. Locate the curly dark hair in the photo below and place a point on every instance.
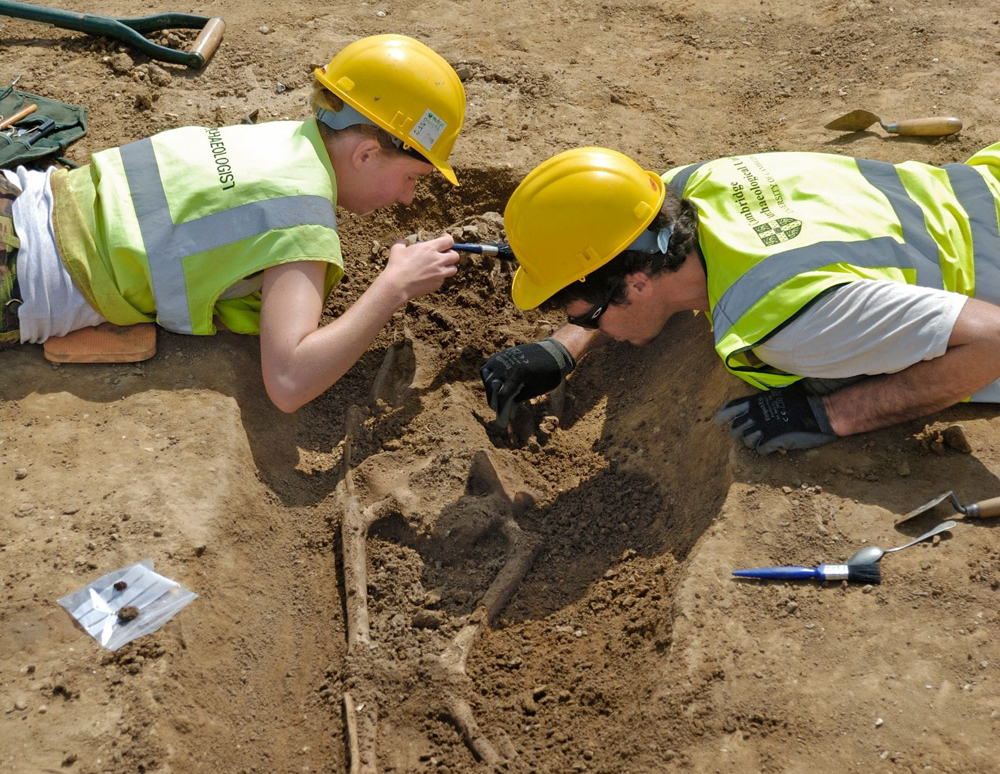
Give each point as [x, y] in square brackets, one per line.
[609, 279]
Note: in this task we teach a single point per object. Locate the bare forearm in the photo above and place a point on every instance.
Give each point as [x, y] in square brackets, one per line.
[301, 360]
[882, 401]
[971, 361]
[322, 357]
[579, 341]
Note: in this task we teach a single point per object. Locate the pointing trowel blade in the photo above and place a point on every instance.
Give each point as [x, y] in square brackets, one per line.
[854, 121]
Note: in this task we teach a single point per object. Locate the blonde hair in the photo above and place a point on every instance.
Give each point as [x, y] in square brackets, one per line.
[324, 98]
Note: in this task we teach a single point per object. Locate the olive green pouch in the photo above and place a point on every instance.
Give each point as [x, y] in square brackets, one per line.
[70, 125]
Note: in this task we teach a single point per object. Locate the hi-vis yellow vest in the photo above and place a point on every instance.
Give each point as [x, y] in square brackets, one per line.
[777, 230]
[158, 229]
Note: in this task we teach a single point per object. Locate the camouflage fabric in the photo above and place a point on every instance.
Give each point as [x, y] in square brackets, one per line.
[8, 264]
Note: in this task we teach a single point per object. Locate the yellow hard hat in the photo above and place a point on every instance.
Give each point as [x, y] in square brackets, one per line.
[572, 214]
[405, 88]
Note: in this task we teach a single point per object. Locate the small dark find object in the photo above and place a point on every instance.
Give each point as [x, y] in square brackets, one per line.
[859, 573]
[120, 586]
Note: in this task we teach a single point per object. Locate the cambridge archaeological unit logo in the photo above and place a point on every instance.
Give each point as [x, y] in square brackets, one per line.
[777, 231]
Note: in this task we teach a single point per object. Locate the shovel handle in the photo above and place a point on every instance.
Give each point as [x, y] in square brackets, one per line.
[938, 126]
[209, 38]
[983, 509]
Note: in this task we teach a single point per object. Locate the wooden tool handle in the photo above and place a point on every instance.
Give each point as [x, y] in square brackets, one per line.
[984, 508]
[938, 126]
[209, 38]
[18, 116]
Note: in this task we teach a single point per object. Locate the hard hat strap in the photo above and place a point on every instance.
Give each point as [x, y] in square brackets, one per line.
[652, 242]
[345, 117]
[348, 116]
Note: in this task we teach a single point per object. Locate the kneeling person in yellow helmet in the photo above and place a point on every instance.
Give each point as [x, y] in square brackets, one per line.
[238, 224]
[857, 294]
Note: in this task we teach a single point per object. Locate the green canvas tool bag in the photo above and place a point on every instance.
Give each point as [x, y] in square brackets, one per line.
[70, 124]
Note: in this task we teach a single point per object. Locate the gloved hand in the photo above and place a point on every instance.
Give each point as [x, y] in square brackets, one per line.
[523, 372]
[787, 418]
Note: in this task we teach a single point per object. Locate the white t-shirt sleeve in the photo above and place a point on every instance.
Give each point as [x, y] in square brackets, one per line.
[866, 327]
[52, 304]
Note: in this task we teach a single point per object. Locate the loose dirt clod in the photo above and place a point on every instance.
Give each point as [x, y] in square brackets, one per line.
[954, 437]
[128, 613]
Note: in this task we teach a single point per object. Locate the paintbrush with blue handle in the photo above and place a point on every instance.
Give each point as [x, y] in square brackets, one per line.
[501, 251]
[857, 573]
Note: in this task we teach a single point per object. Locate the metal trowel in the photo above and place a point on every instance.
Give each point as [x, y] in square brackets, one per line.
[980, 510]
[936, 126]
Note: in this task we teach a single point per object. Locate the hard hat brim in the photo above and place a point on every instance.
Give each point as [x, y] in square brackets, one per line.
[445, 169]
[526, 294]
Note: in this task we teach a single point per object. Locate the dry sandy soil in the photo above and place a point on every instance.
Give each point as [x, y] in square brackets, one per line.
[627, 646]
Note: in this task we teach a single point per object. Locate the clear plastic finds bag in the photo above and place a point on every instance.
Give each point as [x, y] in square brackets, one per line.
[126, 604]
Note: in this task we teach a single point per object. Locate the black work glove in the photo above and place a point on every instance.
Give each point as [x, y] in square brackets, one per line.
[787, 418]
[523, 372]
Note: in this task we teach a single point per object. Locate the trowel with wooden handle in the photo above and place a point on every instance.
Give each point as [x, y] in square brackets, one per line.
[936, 126]
[980, 510]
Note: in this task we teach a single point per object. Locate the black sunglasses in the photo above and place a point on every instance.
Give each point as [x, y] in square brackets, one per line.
[592, 319]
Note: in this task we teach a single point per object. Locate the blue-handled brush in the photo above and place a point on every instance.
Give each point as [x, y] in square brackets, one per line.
[857, 573]
[501, 251]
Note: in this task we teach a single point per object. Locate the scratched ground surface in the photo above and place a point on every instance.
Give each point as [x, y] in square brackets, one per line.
[625, 647]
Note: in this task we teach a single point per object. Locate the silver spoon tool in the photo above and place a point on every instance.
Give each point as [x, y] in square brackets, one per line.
[870, 554]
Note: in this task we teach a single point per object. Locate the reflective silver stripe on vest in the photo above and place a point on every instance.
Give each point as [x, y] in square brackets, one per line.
[924, 251]
[926, 256]
[977, 200]
[680, 180]
[880, 252]
[168, 244]
[919, 253]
